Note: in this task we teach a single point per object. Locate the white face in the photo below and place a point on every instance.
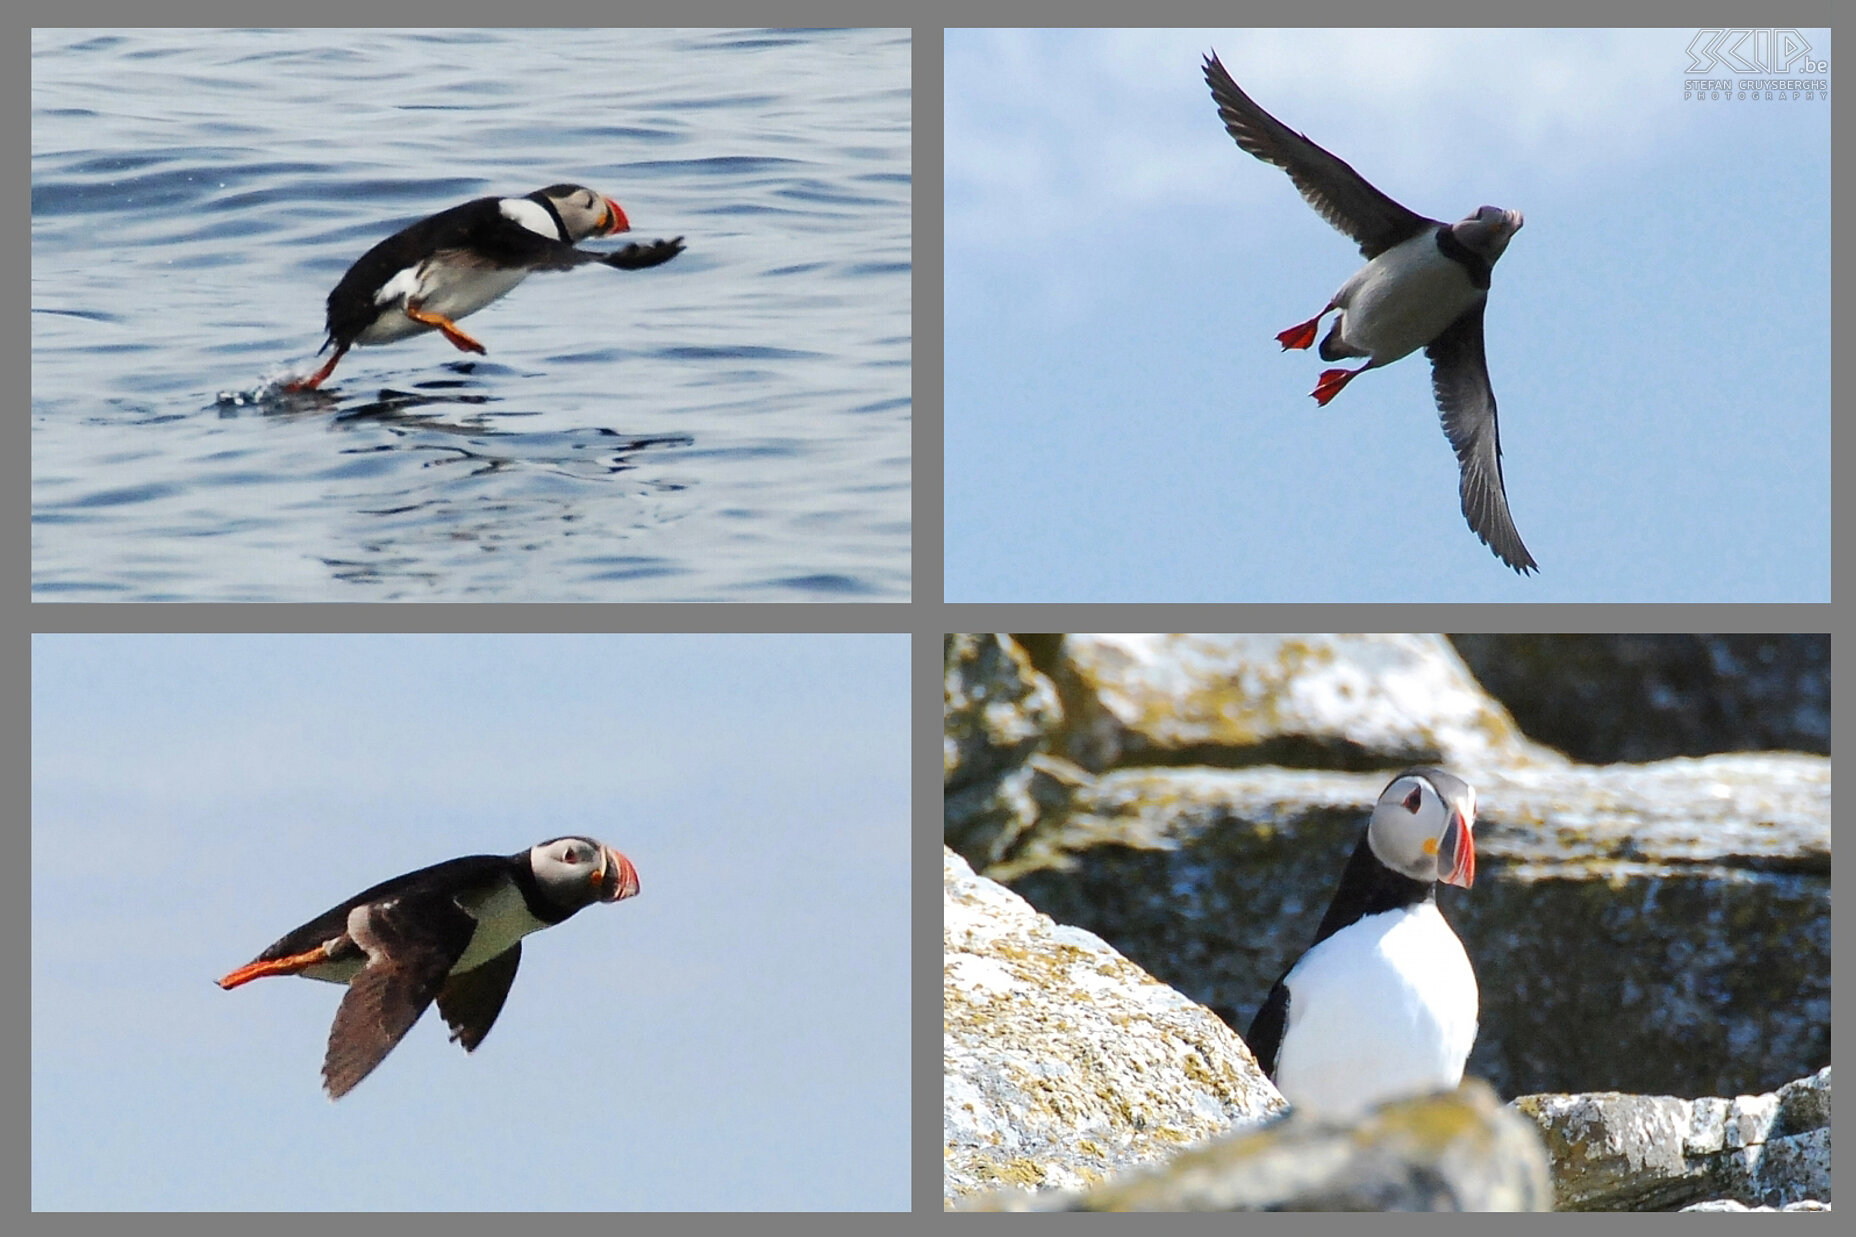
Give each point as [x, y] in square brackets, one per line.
[579, 871]
[1422, 827]
[588, 214]
[584, 212]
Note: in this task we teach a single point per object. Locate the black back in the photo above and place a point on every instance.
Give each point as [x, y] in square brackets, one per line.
[477, 228]
[453, 876]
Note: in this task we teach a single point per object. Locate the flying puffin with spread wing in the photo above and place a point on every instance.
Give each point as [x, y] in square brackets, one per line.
[450, 933]
[431, 273]
[1424, 286]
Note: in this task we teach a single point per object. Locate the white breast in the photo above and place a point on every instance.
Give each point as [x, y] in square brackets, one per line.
[502, 919]
[1403, 299]
[1382, 1009]
[449, 288]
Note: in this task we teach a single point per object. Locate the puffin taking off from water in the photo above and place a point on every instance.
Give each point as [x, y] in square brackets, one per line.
[1424, 286]
[1384, 1003]
[427, 276]
[451, 933]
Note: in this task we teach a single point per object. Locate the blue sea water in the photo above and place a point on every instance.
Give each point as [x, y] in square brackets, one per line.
[731, 426]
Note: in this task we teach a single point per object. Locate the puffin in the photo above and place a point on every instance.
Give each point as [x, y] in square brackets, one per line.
[1424, 286]
[451, 932]
[428, 275]
[1383, 1004]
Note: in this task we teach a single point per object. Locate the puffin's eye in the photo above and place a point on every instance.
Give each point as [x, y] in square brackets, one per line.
[572, 856]
[1413, 799]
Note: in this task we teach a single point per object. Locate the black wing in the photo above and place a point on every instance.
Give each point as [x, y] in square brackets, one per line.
[471, 1001]
[539, 253]
[1460, 380]
[636, 257]
[1265, 1036]
[1341, 195]
[411, 943]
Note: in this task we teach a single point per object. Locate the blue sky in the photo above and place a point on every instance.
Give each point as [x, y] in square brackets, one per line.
[1122, 426]
[735, 1037]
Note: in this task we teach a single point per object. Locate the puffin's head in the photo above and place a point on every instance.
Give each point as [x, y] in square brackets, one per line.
[1422, 826]
[583, 212]
[577, 872]
[1486, 232]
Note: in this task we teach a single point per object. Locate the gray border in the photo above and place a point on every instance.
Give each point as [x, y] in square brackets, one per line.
[929, 241]
[1479, 618]
[926, 1129]
[721, 618]
[927, 583]
[928, 588]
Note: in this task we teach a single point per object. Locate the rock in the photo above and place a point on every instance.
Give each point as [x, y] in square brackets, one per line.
[998, 713]
[1615, 1152]
[1605, 698]
[1320, 701]
[1062, 1060]
[1460, 1151]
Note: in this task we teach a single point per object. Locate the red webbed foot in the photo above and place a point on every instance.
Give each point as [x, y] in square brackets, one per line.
[1303, 334]
[1331, 382]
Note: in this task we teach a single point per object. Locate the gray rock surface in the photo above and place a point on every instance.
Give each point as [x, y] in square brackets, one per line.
[1335, 701]
[1604, 698]
[1614, 1152]
[1062, 1060]
[1455, 1152]
[998, 714]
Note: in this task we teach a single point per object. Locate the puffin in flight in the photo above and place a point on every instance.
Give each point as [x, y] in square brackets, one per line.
[1423, 286]
[442, 268]
[451, 933]
[1383, 1005]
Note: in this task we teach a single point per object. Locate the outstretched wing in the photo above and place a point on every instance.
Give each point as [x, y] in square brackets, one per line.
[411, 943]
[1338, 193]
[552, 255]
[1460, 381]
[471, 1001]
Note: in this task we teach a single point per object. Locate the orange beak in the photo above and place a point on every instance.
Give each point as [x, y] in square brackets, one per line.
[1457, 849]
[616, 877]
[615, 219]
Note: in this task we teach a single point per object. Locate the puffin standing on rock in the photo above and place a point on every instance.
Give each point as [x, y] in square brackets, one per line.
[450, 933]
[1383, 1005]
[1424, 286]
[427, 276]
